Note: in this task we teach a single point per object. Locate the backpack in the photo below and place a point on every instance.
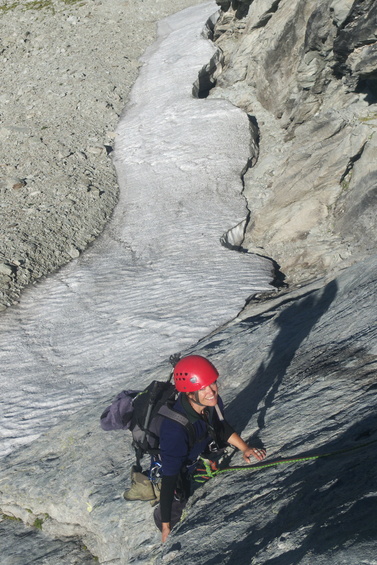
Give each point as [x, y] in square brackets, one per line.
[142, 412]
[118, 415]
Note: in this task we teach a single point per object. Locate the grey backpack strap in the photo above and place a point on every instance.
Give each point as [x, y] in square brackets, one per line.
[181, 419]
[173, 415]
[219, 413]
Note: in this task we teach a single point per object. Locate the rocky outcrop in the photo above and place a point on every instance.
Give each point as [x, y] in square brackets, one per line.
[306, 72]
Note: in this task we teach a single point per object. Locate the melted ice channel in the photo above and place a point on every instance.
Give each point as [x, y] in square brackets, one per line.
[158, 279]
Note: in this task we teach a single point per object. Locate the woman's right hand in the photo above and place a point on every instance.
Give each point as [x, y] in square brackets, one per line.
[165, 531]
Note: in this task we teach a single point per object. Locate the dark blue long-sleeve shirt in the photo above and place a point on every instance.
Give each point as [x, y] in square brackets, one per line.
[176, 452]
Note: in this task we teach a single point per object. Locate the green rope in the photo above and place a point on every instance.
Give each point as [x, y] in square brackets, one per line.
[210, 473]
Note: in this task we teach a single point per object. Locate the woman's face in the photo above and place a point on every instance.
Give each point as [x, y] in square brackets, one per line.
[207, 396]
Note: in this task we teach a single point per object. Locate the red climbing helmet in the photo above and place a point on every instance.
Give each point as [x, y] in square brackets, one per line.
[193, 373]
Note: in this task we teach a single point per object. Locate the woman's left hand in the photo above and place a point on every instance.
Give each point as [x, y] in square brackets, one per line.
[257, 452]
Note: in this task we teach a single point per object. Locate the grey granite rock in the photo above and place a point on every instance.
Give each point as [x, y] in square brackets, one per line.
[27, 544]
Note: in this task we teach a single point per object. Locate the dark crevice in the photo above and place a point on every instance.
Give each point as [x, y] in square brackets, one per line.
[358, 30]
[234, 238]
[240, 7]
[207, 76]
[368, 87]
[268, 15]
[351, 163]
[209, 27]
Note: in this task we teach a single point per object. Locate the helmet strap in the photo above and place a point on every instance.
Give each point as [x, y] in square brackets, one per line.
[195, 400]
[196, 394]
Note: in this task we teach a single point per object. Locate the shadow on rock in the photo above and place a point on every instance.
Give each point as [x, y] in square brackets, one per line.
[326, 507]
[295, 323]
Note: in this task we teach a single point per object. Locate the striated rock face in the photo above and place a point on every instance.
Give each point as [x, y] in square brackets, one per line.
[306, 71]
[298, 375]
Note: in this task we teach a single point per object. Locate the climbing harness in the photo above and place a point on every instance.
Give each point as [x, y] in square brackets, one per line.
[210, 470]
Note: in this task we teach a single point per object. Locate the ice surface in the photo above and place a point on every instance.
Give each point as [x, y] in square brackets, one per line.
[158, 279]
